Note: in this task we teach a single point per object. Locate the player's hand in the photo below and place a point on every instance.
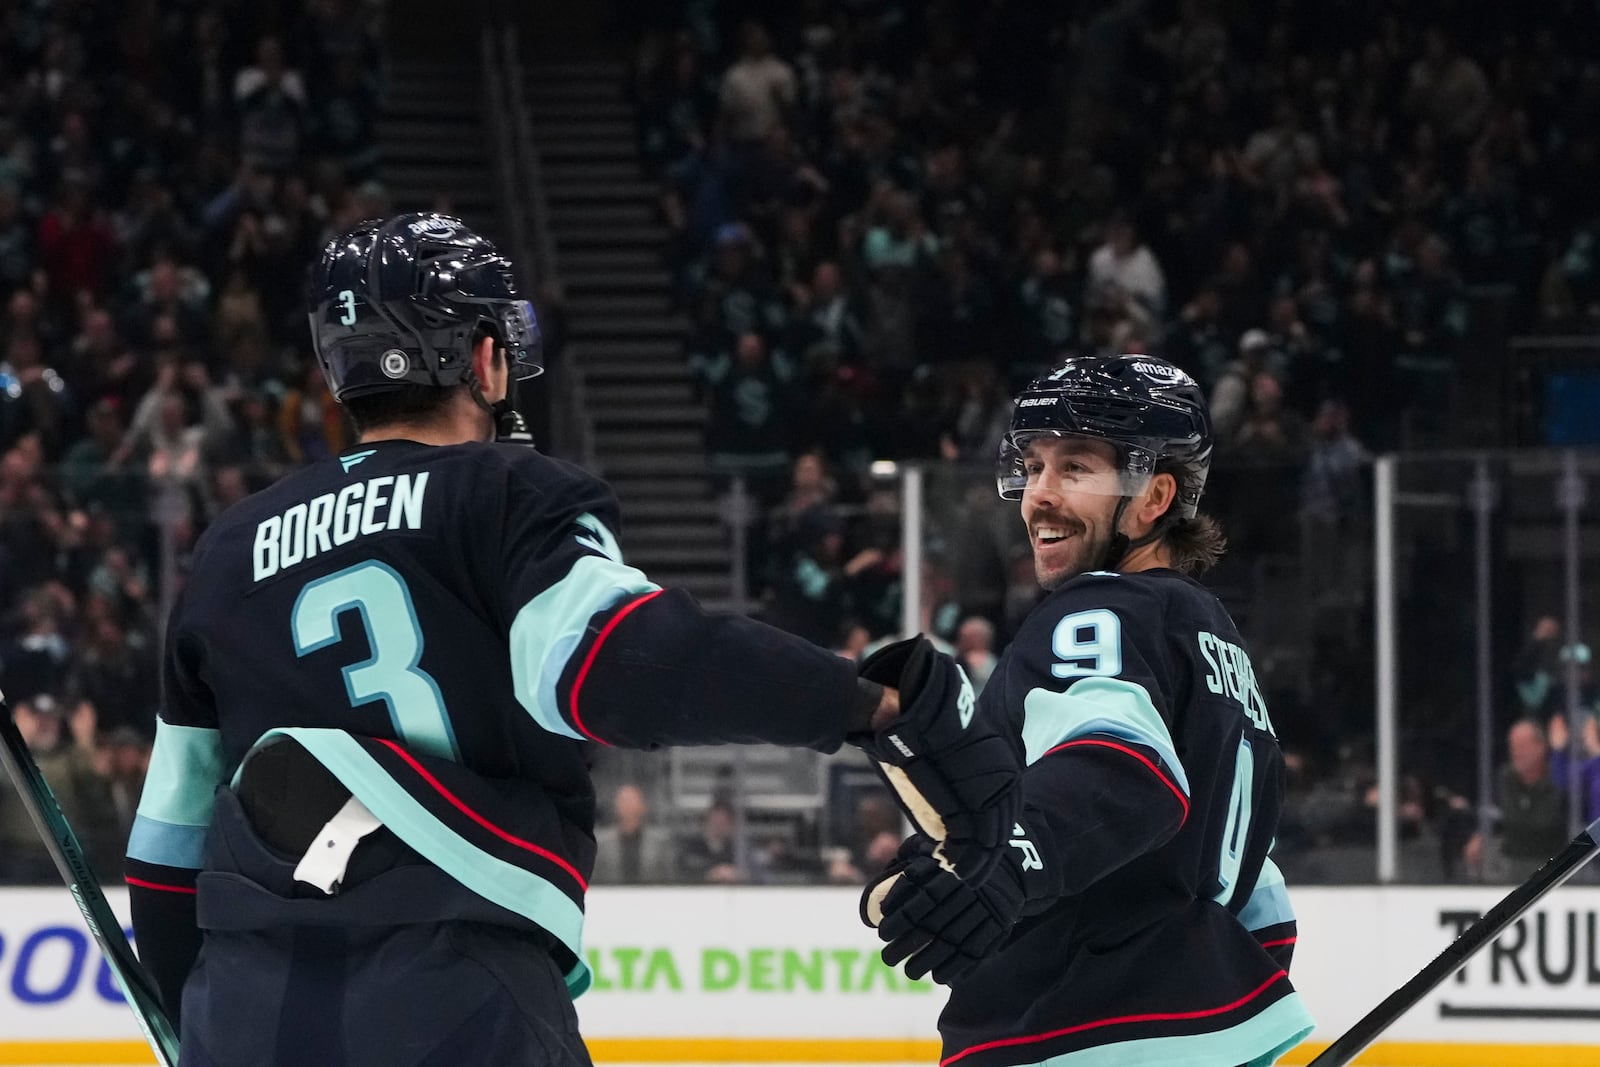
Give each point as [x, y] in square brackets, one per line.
[933, 920]
[953, 771]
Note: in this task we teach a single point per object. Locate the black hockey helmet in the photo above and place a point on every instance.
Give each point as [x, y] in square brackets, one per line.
[398, 301]
[1153, 412]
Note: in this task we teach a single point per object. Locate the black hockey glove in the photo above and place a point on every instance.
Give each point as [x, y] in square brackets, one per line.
[933, 920]
[955, 774]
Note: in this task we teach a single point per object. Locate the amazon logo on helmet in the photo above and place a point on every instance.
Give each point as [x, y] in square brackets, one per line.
[400, 301]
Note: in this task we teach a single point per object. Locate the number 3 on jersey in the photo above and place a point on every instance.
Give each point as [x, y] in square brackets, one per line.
[390, 674]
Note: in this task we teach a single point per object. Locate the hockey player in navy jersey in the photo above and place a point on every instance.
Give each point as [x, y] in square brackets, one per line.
[367, 828]
[1138, 919]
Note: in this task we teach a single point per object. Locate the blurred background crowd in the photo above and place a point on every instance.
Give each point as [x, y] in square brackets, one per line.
[885, 217]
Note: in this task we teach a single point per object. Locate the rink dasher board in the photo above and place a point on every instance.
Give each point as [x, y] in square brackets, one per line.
[787, 975]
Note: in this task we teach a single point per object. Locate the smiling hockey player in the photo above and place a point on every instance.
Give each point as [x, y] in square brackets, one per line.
[1138, 920]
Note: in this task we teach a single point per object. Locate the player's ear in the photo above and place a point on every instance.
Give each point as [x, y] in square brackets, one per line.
[1159, 497]
[489, 367]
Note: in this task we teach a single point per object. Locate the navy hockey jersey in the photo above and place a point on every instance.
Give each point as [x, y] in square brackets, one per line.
[445, 629]
[1156, 928]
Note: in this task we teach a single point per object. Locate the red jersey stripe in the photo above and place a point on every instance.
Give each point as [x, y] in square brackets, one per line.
[588, 661]
[456, 801]
[1168, 782]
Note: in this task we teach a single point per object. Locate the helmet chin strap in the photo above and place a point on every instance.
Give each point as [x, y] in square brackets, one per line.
[1121, 544]
[509, 425]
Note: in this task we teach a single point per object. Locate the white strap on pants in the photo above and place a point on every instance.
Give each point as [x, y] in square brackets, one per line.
[325, 862]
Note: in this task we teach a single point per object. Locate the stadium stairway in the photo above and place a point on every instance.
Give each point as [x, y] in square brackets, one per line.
[431, 141]
[648, 425]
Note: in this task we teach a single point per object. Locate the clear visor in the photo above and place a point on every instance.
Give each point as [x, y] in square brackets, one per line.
[523, 343]
[1074, 463]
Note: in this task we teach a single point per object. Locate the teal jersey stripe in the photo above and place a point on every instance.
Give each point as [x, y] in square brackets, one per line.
[169, 844]
[1112, 706]
[186, 766]
[550, 626]
[1269, 901]
[506, 884]
[1256, 1042]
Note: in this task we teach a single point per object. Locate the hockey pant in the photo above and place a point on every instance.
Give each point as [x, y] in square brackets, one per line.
[402, 967]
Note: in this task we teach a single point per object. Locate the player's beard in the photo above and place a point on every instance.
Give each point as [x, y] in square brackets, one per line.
[1083, 550]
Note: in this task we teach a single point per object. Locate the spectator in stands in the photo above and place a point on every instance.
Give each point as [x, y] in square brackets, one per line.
[713, 853]
[1125, 264]
[270, 100]
[811, 584]
[76, 245]
[1570, 756]
[975, 650]
[870, 842]
[1540, 672]
[16, 239]
[630, 851]
[1533, 820]
[750, 400]
[66, 754]
[826, 331]
[756, 91]
[1230, 396]
[114, 668]
[38, 658]
[36, 400]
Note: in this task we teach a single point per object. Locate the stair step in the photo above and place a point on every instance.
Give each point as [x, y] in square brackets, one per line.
[684, 464]
[630, 487]
[466, 109]
[552, 126]
[614, 394]
[416, 66]
[596, 259]
[640, 512]
[590, 151]
[646, 415]
[645, 238]
[618, 443]
[630, 190]
[672, 326]
[577, 68]
[586, 214]
[444, 177]
[566, 97]
[600, 104]
[426, 130]
[608, 304]
[703, 557]
[618, 281]
[566, 171]
[673, 535]
[708, 589]
[636, 351]
[598, 370]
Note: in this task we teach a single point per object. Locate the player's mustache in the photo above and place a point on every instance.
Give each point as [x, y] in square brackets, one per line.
[1072, 526]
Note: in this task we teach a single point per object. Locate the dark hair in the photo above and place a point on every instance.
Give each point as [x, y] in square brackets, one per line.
[1195, 545]
[410, 402]
[403, 403]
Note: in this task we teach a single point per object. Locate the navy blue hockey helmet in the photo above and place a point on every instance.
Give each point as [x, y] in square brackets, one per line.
[1154, 413]
[398, 301]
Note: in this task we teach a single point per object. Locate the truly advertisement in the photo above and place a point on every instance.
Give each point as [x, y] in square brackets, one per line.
[1538, 983]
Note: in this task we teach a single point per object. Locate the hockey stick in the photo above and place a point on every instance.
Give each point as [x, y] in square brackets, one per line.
[1555, 871]
[64, 848]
